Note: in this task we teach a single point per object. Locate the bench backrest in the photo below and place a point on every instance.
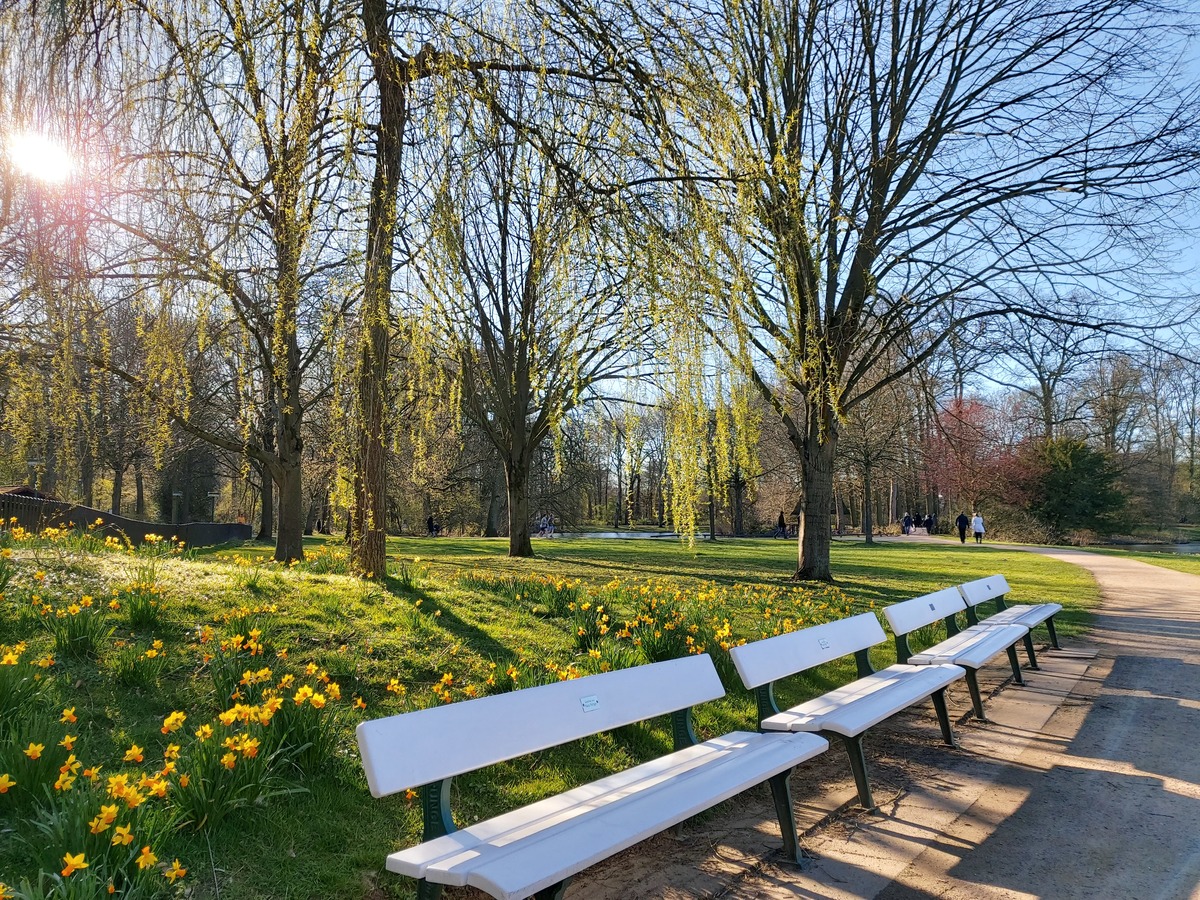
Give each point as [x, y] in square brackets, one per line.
[983, 589]
[425, 746]
[770, 659]
[912, 614]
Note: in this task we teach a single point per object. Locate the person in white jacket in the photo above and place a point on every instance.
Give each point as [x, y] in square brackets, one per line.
[977, 527]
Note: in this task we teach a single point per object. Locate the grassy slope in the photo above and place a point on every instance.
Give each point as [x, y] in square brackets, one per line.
[332, 842]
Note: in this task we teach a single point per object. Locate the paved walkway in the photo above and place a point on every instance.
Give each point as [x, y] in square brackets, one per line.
[1085, 785]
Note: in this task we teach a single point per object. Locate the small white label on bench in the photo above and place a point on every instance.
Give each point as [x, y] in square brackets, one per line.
[590, 703]
[824, 643]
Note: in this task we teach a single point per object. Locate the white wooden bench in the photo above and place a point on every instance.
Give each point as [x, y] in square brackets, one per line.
[995, 587]
[534, 850]
[972, 647]
[848, 711]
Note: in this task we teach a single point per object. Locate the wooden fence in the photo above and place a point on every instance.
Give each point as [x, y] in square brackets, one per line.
[34, 515]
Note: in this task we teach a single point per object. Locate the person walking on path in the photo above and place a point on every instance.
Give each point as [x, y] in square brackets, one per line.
[977, 527]
[961, 524]
[780, 526]
[906, 524]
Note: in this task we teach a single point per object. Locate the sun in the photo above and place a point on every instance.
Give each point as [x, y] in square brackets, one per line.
[40, 157]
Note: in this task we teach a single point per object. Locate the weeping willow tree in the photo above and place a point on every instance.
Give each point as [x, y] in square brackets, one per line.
[227, 160]
[531, 307]
[852, 167]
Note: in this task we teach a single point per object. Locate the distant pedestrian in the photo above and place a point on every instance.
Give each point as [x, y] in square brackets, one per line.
[961, 524]
[780, 526]
[906, 524]
[550, 525]
[977, 528]
[929, 524]
[431, 526]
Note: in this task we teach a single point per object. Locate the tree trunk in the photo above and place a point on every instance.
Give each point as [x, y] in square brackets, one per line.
[492, 527]
[87, 475]
[267, 527]
[139, 488]
[815, 503]
[868, 519]
[517, 477]
[289, 543]
[368, 531]
[118, 488]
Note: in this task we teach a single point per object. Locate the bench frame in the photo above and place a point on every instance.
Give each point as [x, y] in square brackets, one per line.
[764, 695]
[1001, 606]
[904, 652]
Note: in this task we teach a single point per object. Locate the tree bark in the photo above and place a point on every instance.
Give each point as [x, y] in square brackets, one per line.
[817, 457]
[139, 487]
[368, 528]
[517, 476]
[289, 544]
[492, 527]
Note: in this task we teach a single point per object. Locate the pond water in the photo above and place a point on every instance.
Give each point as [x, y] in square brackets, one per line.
[1193, 547]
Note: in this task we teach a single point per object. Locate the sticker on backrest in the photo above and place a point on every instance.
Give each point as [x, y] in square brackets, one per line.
[823, 643]
[590, 703]
[934, 608]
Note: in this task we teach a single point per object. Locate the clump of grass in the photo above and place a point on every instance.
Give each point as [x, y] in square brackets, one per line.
[79, 628]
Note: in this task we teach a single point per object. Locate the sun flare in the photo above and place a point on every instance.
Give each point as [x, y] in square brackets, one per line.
[40, 157]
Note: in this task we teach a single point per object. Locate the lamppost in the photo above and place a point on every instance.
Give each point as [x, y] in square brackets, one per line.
[176, 504]
[212, 505]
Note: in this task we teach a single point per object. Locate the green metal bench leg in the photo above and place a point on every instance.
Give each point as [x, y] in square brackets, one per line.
[1028, 639]
[943, 714]
[1053, 633]
[781, 792]
[976, 699]
[554, 892]
[427, 890]
[858, 764]
[1016, 665]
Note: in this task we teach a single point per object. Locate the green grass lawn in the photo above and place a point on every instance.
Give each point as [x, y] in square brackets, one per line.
[454, 619]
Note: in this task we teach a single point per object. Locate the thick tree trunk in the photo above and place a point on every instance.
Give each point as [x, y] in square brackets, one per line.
[368, 528]
[815, 504]
[517, 477]
[289, 543]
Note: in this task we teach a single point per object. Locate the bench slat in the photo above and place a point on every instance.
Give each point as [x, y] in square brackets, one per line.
[983, 589]
[918, 612]
[1029, 616]
[775, 657]
[425, 746]
[973, 647]
[521, 852]
[859, 705]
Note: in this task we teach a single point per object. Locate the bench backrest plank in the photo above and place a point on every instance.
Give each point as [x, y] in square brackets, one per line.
[425, 746]
[918, 612]
[983, 589]
[770, 659]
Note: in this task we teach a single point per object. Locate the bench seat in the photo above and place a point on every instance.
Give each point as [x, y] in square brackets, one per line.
[853, 708]
[972, 647]
[523, 851]
[995, 587]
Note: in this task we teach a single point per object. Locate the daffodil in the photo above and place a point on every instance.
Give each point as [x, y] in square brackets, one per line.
[34, 751]
[176, 871]
[146, 859]
[134, 754]
[68, 716]
[123, 836]
[73, 864]
[5, 783]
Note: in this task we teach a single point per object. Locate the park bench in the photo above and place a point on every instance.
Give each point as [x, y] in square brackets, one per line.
[848, 711]
[534, 850]
[995, 587]
[972, 647]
